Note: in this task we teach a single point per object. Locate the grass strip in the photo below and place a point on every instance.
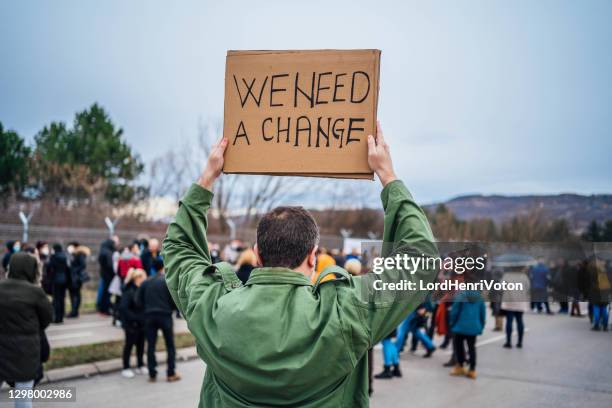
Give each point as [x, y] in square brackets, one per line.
[90, 353]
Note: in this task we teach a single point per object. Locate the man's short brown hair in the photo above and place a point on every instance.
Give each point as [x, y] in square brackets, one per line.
[285, 237]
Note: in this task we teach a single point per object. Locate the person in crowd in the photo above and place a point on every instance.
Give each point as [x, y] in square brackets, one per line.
[443, 316]
[599, 294]
[132, 319]
[232, 250]
[539, 275]
[11, 248]
[574, 290]
[146, 258]
[45, 349]
[158, 305]
[25, 312]
[323, 261]
[391, 359]
[339, 257]
[150, 251]
[496, 274]
[130, 259]
[44, 258]
[560, 283]
[78, 275]
[296, 329]
[354, 267]
[59, 274]
[107, 273]
[417, 328]
[42, 248]
[515, 302]
[215, 253]
[247, 261]
[355, 254]
[467, 320]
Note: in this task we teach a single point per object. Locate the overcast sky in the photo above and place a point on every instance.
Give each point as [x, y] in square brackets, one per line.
[508, 97]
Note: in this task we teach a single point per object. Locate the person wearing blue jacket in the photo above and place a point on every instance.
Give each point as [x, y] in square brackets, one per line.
[467, 320]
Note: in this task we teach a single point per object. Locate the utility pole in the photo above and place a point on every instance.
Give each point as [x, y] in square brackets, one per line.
[25, 220]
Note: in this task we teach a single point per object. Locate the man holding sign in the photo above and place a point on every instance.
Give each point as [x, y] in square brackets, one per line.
[278, 340]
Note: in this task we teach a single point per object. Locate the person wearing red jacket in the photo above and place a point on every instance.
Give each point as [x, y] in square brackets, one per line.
[130, 258]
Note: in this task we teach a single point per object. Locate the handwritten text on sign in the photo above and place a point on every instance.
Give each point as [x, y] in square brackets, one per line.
[308, 107]
[319, 89]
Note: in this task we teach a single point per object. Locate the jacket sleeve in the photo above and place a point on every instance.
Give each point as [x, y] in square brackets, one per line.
[185, 251]
[406, 231]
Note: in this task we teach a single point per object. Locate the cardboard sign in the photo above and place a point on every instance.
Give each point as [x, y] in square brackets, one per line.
[304, 113]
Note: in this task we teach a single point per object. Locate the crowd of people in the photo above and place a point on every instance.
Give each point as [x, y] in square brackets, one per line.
[132, 291]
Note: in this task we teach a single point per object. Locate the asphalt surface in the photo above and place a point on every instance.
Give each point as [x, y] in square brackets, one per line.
[91, 328]
[562, 364]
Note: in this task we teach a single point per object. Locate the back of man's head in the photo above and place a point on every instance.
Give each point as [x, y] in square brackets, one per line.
[285, 237]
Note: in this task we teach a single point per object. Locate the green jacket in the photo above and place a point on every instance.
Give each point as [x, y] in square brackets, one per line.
[279, 340]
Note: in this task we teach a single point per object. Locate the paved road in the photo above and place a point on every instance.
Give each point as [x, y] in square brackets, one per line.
[91, 328]
[562, 364]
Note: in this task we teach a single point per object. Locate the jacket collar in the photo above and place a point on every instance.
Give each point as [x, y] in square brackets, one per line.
[277, 276]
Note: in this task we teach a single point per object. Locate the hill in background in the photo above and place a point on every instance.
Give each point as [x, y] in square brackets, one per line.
[577, 209]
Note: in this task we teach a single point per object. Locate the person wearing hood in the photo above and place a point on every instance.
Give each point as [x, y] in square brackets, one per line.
[467, 320]
[107, 272]
[25, 312]
[78, 275]
[59, 274]
[11, 248]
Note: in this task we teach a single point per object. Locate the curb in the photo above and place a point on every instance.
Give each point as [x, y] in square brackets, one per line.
[109, 366]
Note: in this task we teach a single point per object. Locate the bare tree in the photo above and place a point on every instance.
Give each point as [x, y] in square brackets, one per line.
[244, 195]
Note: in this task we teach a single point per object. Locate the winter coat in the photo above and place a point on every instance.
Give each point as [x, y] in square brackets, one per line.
[468, 314]
[154, 296]
[78, 266]
[600, 288]
[105, 260]
[307, 345]
[58, 268]
[128, 261]
[131, 313]
[147, 257]
[441, 319]
[539, 276]
[516, 300]
[25, 312]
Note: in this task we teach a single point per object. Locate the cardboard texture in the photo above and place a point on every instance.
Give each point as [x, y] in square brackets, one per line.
[302, 113]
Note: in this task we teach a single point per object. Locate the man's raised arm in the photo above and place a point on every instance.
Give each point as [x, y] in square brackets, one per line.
[185, 247]
[406, 230]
